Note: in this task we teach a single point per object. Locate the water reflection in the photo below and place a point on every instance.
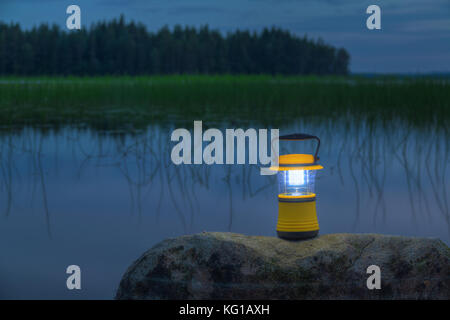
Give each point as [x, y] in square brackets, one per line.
[370, 160]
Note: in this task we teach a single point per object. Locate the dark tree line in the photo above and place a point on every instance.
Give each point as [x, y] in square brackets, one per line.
[117, 47]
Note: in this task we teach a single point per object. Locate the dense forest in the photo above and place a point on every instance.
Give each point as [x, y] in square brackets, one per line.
[118, 47]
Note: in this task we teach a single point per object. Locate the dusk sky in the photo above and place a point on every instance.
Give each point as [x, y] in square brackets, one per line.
[415, 34]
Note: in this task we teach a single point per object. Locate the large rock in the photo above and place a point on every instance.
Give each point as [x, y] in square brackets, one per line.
[333, 266]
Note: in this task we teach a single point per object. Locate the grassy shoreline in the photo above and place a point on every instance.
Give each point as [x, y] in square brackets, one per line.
[267, 99]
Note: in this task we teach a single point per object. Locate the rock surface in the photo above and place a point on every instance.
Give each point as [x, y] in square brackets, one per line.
[333, 266]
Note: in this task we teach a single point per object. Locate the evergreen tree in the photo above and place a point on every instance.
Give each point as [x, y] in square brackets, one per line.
[117, 47]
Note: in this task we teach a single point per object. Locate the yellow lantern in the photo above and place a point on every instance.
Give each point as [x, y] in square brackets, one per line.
[297, 217]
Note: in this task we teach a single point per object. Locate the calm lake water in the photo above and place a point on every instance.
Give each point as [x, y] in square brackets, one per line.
[100, 199]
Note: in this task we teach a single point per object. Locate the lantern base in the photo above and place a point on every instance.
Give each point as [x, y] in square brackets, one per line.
[297, 235]
[297, 218]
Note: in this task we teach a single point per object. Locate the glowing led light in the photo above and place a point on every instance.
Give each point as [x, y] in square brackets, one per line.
[296, 177]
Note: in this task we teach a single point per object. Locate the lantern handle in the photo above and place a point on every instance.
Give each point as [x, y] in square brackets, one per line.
[301, 137]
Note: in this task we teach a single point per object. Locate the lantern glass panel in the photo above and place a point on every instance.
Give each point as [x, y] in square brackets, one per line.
[296, 182]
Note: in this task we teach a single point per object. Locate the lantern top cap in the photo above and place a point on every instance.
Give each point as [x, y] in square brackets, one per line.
[296, 162]
[290, 159]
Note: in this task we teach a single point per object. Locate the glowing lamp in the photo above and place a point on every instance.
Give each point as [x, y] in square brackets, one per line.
[297, 217]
